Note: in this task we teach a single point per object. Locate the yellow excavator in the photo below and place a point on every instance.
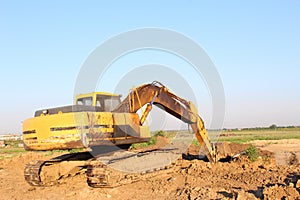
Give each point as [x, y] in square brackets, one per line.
[100, 120]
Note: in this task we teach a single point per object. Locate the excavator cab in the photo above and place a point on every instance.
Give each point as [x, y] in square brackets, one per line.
[107, 102]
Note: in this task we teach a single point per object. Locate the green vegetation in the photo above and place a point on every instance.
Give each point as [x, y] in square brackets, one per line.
[250, 134]
[252, 153]
[272, 127]
[13, 150]
[49, 153]
[10, 153]
[144, 144]
[13, 143]
[237, 136]
[160, 133]
[247, 135]
[195, 142]
[153, 139]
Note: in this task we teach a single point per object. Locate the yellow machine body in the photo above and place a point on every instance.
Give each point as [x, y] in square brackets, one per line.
[89, 122]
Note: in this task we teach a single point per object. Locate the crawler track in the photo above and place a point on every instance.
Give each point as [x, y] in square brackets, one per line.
[116, 169]
[102, 176]
[33, 170]
[126, 168]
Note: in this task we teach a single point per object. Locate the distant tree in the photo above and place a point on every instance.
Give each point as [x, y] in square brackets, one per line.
[273, 126]
[291, 127]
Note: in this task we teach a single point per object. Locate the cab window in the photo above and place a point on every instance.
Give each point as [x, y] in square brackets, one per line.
[107, 103]
[111, 104]
[87, 101]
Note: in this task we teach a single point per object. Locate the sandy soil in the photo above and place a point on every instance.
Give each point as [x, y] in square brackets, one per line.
[190, 178]
[286, 152]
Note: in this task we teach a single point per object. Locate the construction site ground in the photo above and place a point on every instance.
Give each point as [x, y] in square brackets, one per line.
[274, 175]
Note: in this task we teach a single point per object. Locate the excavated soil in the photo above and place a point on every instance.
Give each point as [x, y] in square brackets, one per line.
[190, 178]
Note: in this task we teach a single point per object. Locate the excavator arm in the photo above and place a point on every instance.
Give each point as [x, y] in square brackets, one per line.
[157, 94]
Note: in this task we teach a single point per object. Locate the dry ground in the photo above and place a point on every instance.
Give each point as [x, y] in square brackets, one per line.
[286, 152]
[191, 178]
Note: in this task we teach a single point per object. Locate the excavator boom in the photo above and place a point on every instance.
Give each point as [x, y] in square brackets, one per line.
[157, 94]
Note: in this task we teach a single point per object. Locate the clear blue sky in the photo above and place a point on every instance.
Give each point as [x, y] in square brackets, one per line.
[255, 46]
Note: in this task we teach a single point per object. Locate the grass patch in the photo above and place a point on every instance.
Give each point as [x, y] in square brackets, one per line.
[195, 142]
[12, 152]
[8, 151]
[144, 144]
[160, 133]
[153, 139]
[50, 153]
[235, 136]
[252, 153]
[244, 136]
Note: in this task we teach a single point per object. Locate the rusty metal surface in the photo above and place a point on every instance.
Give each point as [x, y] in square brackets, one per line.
[158, 95]
[54, 146]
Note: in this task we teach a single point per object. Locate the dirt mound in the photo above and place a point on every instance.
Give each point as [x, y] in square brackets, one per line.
[281, 192]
